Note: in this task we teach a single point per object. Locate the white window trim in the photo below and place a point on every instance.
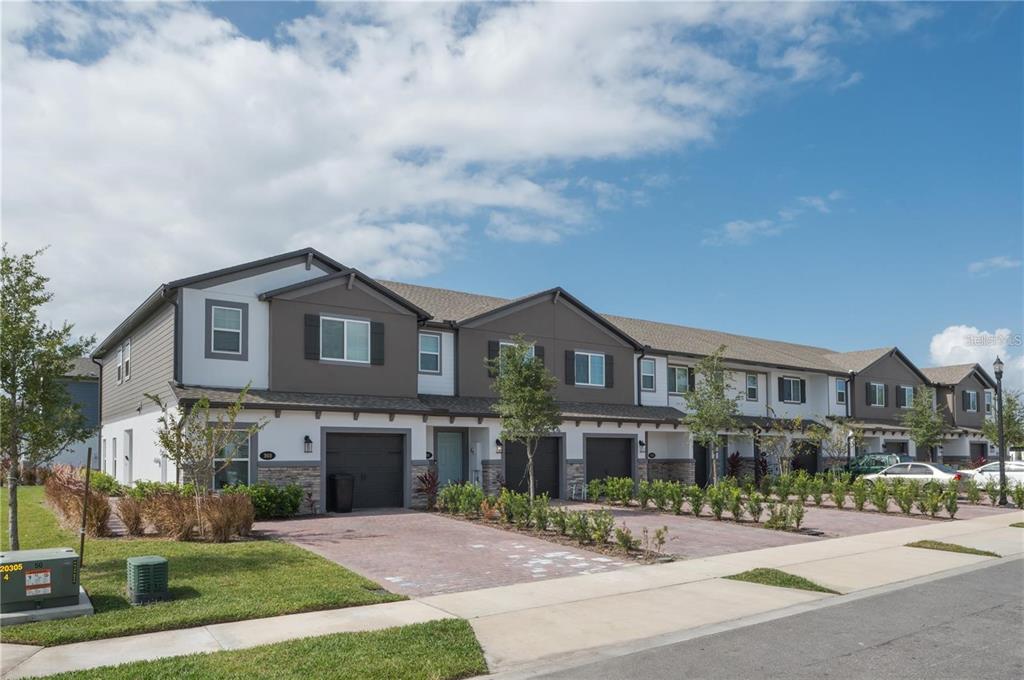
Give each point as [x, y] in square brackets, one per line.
[421, 352]
[126, 348]
[344, 341]
[988, 402]
[248, 465]
[746, 387]
[874, 394]
[974, 401]
[120, 364]
[589, 355]
[653, 375]
[907, 403]
[795, 381]
[214, 329]
[840, 391]
[505, 343]
[674, 383]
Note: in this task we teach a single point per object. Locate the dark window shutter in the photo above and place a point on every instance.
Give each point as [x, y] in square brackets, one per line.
[963, 400]
[869, 390]
[570, 367]
[311, 337]
[493, 349]
[885, 395]
[803, 391]
[376, 343]
[538, 352]
[899, 396]
[609, 370]
[782, 389]
[691, 380]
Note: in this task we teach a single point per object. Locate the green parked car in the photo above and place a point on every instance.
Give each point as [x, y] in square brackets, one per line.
[869, 463]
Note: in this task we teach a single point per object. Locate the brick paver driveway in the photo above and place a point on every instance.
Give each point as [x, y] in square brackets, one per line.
[419, 554]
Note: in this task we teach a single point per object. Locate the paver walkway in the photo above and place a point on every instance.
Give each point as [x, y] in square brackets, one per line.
[418, 553]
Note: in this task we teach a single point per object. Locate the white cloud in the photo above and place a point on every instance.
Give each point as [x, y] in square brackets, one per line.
[148, 142]
[964, 344]
[744, 232]
[850, 80]
[992, 264]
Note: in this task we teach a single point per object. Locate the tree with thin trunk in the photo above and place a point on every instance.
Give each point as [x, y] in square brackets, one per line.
[526, 402]
[1013, 421]
[38, 418]
[837, 439]
[195, 438]
[712, 410]
[923, 420]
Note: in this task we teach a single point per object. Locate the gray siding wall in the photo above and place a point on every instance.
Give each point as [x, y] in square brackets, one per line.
[944, 403]
[557, 327]
[890, 371]
[152, 365]
[965, 418]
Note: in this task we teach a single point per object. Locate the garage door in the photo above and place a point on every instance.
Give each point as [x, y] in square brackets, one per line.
[979, 451]
[608, 457]
[375, 461]
[545, 467]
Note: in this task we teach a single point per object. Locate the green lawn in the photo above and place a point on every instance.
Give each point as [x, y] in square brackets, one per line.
[210, 582]
[774, 577]
[438, 650]
[950, 547]
[1019, 525]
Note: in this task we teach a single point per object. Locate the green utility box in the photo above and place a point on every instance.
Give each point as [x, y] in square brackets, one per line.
[38, 579]
[147, 579]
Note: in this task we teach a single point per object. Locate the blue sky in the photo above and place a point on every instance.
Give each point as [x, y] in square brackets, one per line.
[841, 175]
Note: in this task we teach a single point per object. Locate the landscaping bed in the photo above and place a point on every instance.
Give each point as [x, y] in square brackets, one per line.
[438, 650]
[210, 582]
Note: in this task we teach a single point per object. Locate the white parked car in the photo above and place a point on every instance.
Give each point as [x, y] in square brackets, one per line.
[989, 472]
[918, 472]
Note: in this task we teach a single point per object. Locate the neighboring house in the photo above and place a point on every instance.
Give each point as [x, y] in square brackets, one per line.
[965, 395]
[83, 385]
[384, 380]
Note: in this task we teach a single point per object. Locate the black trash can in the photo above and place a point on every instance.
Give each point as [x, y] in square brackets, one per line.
[340, 488]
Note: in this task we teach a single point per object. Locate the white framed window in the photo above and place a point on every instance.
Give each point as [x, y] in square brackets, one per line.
[678, 379]
[970, 401]
[648, 380]
[226, 330]
[344, 340]
[792, 390]
[840, 391]
[751, 387]
[120, 365]
[589, 369]
[876, 394]
[906, 396]
[988, 402]
[126, 348]
[530, 352]
[231, 466]
[430, 353]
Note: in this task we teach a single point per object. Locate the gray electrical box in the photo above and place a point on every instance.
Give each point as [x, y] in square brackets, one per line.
[38, 579]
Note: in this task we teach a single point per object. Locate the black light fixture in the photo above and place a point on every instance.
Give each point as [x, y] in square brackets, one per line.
[307, 444]
[430, 455]
[998, 366]
[642, 443]
[499, 447]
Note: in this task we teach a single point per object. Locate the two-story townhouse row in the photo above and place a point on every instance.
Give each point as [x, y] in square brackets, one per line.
[964, 394]
[383, 380]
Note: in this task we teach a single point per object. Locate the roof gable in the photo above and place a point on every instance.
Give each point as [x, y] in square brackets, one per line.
[956, 374]
[346, 278]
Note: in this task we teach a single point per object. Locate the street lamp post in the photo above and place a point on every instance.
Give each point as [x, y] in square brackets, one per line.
[998, 366]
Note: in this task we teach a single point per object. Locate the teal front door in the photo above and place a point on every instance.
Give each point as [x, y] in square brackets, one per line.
[450, 458]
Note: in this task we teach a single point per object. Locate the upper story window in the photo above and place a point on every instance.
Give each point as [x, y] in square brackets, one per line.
[970, 401]
[988, 402]
[648, 381]
[751, 387]
[840, 391]
[876, 394]
[120, 364]
[127, 349]
[904, 396]
[344, 340]
[678, 379]
[792, 391]
[590, 369]
[227, 330]
[531, 351]
[430, 353]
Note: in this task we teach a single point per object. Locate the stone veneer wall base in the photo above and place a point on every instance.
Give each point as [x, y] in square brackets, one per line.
[306, 476]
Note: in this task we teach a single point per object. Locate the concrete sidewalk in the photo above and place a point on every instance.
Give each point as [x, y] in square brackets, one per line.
[522, 623]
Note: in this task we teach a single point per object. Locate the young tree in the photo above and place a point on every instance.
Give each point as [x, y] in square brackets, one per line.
[924, 421]
[838, 441]
[712, 410]
[1013, 421]
[194, 439]
[776, 441]
[37, 416]
[526, 402]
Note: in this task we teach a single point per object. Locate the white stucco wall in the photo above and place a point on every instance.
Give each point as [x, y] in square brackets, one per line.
[147, 460]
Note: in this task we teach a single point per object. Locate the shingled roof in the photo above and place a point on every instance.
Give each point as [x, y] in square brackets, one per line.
[952, 375]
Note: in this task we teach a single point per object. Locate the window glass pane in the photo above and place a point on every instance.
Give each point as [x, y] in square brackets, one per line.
[235, 472]
[227, 341]
[332, 339]
[430, 362]
[681, 379]
[647, 382]
[430, 343]
[596, 369]
[230, 319]
[582, 369]
[357, 343]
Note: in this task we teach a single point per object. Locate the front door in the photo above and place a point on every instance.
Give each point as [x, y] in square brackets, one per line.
[451, 458]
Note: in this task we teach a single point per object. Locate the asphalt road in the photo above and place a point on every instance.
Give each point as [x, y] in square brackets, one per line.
[965, 626]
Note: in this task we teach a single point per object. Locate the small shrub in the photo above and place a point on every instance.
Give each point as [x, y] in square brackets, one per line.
[644, 494]
[427, 484]
[816, 488]
[579, 527]
[839, 489]
[243, 512]
[619, 490]
[625, 539]
[674, 497]
[172, 515]
[906, 495]
[734, 502]
[734, 465]
[103, 483]
[880, 495]
[778, 517]
[268, 500]
[595, 489]
[448, 499]
[489, 509]
[859, 489]
[1017, 493]
[716, 496]
[129, 510]
[950, 500]
[802, 485]
[755, 506]
[784, 486]
[697, 499]
[218, 518]
[930, 500]
[560, 520]
[540, 512]
[602, 523]
[660, 538]
[972, 491]
[796, 514]
[992, 491]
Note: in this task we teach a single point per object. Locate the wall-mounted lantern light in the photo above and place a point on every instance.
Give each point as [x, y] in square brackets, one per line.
[642, 443]
[307, 444]
[499, 447]
[429, 455]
